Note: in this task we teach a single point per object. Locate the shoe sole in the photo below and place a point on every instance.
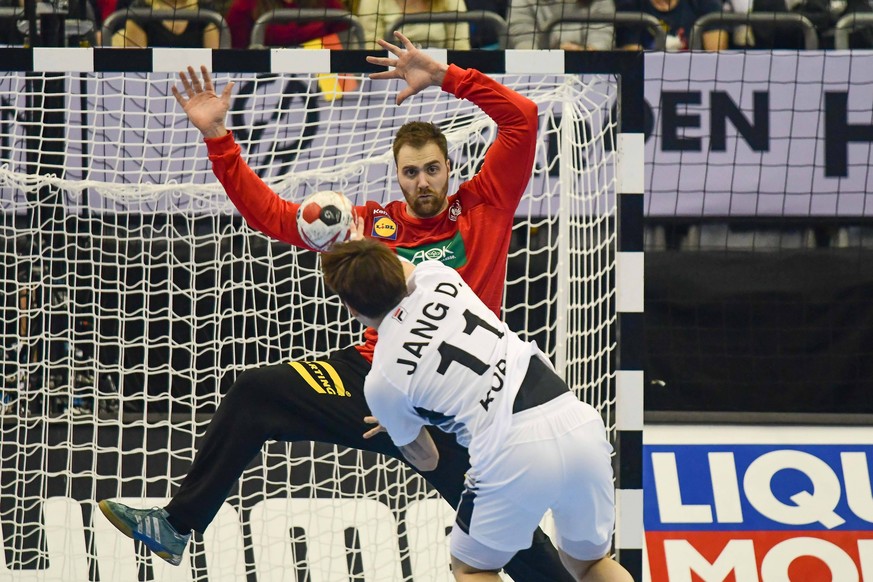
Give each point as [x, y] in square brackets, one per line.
[123, 528]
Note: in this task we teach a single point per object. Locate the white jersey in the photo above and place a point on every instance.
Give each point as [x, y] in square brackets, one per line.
[444, 358]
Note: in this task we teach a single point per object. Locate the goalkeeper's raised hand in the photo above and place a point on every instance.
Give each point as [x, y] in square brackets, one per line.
[206, 109]
[416, 67]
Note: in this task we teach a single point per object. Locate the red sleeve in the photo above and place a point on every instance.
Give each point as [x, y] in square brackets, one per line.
[508, 164]
[259, 205]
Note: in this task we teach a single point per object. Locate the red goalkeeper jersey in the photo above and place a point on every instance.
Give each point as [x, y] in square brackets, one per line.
[472, 235]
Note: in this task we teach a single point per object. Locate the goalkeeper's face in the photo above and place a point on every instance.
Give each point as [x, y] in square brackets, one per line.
[423, 175]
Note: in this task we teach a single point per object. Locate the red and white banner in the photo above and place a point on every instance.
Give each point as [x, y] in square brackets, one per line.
[758, 504]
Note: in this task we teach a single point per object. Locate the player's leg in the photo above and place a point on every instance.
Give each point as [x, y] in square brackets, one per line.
[584, 513]
[604, 569]
[289, 402]
[464, 572]
[275, 402]
[500, 507]
[296, 401]
[538, 562]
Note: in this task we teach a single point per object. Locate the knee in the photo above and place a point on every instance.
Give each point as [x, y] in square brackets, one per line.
[251, 386]
[462, 571]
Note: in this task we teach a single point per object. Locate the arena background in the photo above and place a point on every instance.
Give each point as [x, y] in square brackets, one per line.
[757, 327]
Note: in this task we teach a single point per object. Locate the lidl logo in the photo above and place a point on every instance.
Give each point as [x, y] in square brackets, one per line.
[385, 227]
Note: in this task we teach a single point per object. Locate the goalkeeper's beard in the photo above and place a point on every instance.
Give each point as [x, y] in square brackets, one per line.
[429, 206]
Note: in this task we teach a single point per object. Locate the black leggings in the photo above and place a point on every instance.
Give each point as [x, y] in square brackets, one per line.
[317, 401]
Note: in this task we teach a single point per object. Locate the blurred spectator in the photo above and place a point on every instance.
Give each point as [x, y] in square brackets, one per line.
[528, 19]
[484, 36]
[80, 25]
[861, 38]
[677, 18]
[9, 33]
[377, 16]
[168, 33]
[242, 14]
[763, 36]
[107, 7]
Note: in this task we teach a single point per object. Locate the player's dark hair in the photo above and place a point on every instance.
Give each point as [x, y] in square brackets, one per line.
[366, 274]
[418, 134]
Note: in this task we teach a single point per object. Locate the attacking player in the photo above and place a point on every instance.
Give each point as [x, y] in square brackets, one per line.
[276, 402]
[445, 359]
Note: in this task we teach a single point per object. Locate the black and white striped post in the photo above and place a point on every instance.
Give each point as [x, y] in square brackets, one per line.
[629, 278]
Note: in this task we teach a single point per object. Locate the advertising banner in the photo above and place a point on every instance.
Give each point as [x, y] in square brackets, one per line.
[758, 504]
[787, 133]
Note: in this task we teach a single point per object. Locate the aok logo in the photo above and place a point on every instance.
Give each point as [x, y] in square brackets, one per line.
[434, 254]
[332, 532]
[449, 252]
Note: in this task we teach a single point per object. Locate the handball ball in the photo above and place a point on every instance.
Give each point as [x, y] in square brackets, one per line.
[325, 218]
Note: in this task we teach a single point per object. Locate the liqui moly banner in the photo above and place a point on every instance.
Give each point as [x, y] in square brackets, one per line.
[758, 504]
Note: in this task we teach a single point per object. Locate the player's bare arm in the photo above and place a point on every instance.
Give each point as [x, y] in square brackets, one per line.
[204, 107]
[422, 452]
[375, 430]
[417, 68]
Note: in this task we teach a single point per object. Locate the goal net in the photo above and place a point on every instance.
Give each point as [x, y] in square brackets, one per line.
[134, 294]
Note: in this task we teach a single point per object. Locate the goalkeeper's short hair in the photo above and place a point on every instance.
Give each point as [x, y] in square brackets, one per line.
[418, 134]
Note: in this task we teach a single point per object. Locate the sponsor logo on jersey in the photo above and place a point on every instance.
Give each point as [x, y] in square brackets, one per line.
[385, 227]
[321, 377]
[455, 210]
[380, 212]
[450, 252]
[399, 314]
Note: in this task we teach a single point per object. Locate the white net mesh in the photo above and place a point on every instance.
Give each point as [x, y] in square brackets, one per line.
[134, 295]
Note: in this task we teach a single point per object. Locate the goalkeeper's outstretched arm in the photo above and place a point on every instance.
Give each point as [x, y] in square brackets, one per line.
[206, 109]
[416, 67]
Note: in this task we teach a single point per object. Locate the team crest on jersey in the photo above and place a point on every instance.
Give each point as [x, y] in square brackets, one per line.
[399, 314]
[455, 210]
[385, 227]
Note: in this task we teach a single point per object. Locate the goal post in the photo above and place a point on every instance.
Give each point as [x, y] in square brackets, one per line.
[134, 294]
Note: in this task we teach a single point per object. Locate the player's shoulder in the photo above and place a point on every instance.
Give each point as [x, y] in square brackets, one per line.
[432, 276]
[435, 269]
[382, 380]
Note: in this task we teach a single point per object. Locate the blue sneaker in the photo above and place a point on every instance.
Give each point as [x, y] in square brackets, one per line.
[150, 526]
